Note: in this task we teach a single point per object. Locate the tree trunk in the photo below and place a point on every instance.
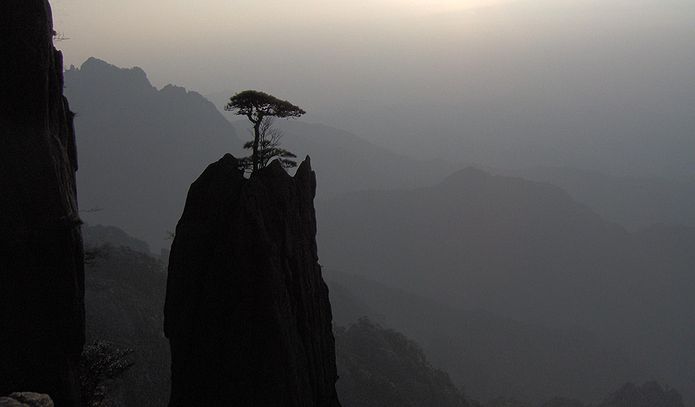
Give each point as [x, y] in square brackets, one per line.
[256, 140]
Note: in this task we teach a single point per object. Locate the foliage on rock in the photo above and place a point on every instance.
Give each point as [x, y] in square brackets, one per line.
[101, 362]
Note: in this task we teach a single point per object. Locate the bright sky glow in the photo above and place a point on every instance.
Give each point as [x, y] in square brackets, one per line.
[530, 57]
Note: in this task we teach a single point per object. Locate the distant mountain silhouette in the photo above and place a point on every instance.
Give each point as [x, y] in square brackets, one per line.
[519, 248]
[634, 202]
[475, 239]
[98, 236]
[529, 251]
[139, 147]
[345, 162]
[489, 355]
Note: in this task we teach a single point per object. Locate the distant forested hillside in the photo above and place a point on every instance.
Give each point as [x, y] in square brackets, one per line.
[382, 368]
[528, 251]
[488, 355]
[124, 296]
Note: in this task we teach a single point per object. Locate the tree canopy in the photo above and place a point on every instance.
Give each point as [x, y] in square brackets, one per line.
[256, 105]
[260, 108]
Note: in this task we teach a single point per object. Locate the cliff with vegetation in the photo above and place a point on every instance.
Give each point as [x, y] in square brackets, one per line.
[246, 311]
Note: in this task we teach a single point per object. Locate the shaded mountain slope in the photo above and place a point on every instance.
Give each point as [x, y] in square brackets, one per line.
[382, 368]
[124, 299]
[140, 147]
[488, 355]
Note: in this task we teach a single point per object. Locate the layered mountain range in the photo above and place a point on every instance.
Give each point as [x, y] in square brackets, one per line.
[528, 251]
[561, 264]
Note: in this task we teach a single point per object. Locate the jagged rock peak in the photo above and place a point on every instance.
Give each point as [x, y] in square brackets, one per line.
[181, 92]
[247, 311]
[97, 66]
[26, 400]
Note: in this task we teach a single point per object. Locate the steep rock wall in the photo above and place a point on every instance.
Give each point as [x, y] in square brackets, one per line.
[41, 261]
[247, 311]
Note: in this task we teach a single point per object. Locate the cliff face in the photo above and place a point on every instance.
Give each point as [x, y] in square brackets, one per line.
[247, 311]
[41, 270]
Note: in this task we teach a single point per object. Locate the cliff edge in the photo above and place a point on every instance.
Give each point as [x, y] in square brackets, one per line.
[247, 311]
[41, 260]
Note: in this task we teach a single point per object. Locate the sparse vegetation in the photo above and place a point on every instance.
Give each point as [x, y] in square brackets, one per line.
[101, 362]
[261, 109]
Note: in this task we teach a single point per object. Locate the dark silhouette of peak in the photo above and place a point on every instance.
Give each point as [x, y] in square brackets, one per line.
[97, 69]
[247, 312]
[42, 316]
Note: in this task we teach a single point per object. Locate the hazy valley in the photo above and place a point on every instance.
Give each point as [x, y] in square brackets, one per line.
[519, 288]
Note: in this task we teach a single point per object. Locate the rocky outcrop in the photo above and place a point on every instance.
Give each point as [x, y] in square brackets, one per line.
[26, 400]
[41, 270]
[247, 311]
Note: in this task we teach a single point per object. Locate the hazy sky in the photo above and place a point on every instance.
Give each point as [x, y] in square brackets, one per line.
[513, 68]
